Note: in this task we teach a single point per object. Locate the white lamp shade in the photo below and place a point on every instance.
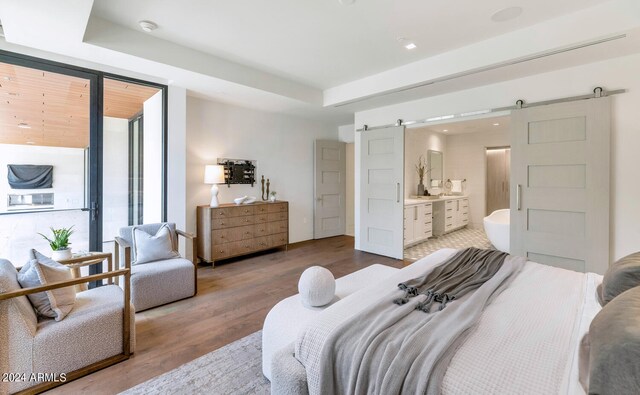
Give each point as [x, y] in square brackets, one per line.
[214, 174]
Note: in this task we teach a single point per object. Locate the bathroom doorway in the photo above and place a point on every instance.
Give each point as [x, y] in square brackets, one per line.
[456, 179]
[498, 175]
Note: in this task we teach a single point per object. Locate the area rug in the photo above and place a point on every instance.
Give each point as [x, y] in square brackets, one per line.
[233, 369]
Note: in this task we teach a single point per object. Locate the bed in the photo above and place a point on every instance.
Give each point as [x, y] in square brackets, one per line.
[526, 340]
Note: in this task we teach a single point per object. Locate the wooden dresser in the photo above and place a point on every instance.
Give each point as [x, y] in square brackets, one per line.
[234, 230]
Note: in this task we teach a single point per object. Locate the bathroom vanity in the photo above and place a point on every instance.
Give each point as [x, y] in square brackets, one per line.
[418, 226]
[450, 213]
[433, 216]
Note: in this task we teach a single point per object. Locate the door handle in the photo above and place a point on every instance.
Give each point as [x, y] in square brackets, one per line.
[319, 199]
[519, 197]
[93, 210]
[398, 192]
[415, 213]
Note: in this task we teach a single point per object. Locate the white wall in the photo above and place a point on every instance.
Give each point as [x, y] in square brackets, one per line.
[19, 232]
[465, 158]
[282, 145]
[115, 201]
[349, 196]
[417, 142]
[152, 159]
[177, 159]
[611, 74]
[68, 172]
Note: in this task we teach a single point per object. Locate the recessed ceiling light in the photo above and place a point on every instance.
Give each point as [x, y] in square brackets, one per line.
[148, 26]
[445, 130]
[407, 43]
[506, 14]
[30, 142]
[23, 125]
[346, 2]
[496, 124]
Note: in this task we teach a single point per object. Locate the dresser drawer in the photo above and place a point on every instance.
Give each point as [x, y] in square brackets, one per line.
[241, 210]
[222, 251]
[277, 240]
[261, 208]
[283, 215]
[224, 212]
[277, 227]
[261, 229]
[220, 236]
[277, 207]
[231, 222]
[241, 247]
[261, 243]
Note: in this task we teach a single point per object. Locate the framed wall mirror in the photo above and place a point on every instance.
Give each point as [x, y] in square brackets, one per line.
[434, 159]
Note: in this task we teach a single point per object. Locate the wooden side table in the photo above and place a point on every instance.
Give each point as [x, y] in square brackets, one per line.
[87, 259]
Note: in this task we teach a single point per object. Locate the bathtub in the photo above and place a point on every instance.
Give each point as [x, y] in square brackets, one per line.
[497, 228]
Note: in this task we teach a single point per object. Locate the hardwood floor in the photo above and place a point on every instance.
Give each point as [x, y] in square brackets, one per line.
[232, 301]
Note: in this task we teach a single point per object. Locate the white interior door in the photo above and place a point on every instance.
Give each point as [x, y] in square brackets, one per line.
[381, 191]
[560, 184]
[330, 189]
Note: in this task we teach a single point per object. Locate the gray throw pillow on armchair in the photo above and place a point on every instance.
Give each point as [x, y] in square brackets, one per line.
[42, 270]
[150, 248]
[624, 274]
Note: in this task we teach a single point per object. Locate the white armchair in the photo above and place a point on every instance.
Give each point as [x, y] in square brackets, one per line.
[160, 282]
[98, 332]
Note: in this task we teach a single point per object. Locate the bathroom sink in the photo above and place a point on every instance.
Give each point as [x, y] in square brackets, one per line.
[425, 197]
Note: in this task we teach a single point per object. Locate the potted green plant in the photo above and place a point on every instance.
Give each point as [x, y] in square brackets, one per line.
[272, 196]
[60, 243]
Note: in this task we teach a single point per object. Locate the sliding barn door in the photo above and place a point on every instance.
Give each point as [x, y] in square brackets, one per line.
[381, 191]
[330, 189]
[560, 184]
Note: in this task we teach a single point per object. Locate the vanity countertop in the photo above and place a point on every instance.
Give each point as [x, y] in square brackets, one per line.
[418, 200]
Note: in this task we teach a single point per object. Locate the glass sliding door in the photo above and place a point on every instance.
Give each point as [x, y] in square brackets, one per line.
[133, 155]
[77, 149]
[49, 138]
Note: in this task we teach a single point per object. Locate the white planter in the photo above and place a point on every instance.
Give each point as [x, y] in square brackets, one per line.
[272, 198]
[61, 254]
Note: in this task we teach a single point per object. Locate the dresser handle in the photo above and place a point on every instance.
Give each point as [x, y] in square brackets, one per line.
[222, 251]
[247, 233]
[221, 223]
[246, 220]
[247, 246]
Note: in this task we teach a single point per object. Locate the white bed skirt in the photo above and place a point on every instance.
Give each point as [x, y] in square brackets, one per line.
[526, 341]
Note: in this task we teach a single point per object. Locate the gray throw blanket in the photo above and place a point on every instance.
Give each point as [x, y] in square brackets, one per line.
[393, 347]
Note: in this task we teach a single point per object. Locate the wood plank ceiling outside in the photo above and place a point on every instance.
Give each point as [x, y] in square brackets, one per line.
[53, 109]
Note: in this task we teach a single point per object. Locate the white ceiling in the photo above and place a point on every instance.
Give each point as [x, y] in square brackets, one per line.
[321, 43]
[487, 124]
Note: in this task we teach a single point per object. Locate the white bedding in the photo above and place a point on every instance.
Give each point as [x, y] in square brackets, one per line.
[526, 341]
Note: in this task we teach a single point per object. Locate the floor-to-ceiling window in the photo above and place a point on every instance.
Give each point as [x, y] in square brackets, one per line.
[67, 155]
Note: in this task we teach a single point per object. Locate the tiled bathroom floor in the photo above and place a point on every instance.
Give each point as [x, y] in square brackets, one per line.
[459, 239]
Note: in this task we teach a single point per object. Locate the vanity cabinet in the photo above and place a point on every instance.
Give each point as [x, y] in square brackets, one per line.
[418, 223]
[450, 215]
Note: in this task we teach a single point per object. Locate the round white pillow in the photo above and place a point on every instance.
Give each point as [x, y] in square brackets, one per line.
[317, 286]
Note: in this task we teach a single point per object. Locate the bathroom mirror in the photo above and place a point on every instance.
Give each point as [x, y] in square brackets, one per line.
[434, 159]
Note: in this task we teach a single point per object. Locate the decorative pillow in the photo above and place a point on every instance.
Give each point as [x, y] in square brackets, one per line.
[317, 286]
[150, 248]
[613, 347]
[42, 270]
[621, 276]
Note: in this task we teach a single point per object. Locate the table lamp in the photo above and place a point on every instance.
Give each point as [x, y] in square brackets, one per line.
[214, 174]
